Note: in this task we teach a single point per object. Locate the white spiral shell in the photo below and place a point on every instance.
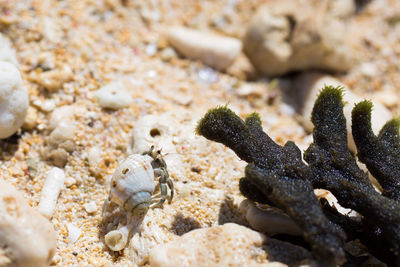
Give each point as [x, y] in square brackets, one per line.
[133, 182]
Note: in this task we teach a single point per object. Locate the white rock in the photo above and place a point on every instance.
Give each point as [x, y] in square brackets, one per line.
[214, 50]
[313, 83]
[69, 181]
[94, 159]
[280, 38]
[94, 156]
[269, 221]
[368, 69]
[64, 114]
[113, 96]
[53, 80]
[73, 233]
[90, 207]
[226, 245]
[50, 191]
[62, 133]
[26, 237]
[13, 100]
[30, 120]
[167, 54]
[6, 52]
[152, 130]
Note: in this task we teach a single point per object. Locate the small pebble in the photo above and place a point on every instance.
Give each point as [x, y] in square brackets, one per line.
[73, 233]
[50, 191]
[53, 80]
[48, 105]
[62, 133]
[214, 50]
[69, 181]
[207, 75]
[368, 69]
[90, 207]
[94, 159]
[151, 49]
[58, 157]
[167, 54]
[113, 96]
[30, 119]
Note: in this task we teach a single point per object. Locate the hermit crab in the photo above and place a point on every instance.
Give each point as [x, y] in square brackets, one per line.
[132, 186]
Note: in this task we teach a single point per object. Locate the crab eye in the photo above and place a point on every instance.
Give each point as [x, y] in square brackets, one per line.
[124, 171]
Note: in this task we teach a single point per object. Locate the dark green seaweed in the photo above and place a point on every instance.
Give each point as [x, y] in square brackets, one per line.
[280, 174]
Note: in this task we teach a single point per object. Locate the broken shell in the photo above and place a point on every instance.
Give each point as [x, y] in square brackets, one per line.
[116, 240]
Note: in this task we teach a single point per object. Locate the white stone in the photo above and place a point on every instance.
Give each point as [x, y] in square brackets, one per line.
[160, 130]
[369, 69]
[26, 237]
[94, 159]
[90, 207]
[53, 80]
[50, 191]
[280, 39]
[73, 233]
[13, 100]
[113, 96]
[226, 245]
[69, 181]
[269, 221]
[214, 50]
[30, 120]
[61, 114]
[62, 133]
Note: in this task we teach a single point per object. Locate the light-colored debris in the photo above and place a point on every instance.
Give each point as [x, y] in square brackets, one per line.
[74, 233]
[30, 119]
[53, 80]
[64, 114]
[60, 143]
[113, 95]
[271, 221]
[162, 132]
[214, 50]
[63, 136]
[58, 156]
[226, 245]
[50, 191]
[167, 54]
[94, 160]
[26, 237]
[90, 207]
[280, 39]
[13, 100]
